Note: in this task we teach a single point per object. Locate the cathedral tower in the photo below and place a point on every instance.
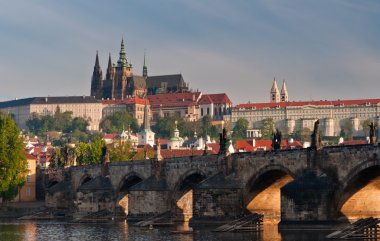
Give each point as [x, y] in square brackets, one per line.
[97, 79]
[274, 93]
[284, 93]
[123, 72]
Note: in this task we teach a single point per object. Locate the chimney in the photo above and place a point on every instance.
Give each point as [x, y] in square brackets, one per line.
[254, 142]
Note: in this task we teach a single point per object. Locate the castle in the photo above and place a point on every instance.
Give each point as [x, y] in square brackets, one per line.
[120, 82]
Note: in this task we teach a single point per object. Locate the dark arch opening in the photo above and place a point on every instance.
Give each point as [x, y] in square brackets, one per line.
[128, 183]
[361, 196]
[183, 197]
[85, 180]
[52, 183]
[123, 201]
[263, 194]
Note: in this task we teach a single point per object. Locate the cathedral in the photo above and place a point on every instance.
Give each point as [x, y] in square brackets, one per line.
[120, 82]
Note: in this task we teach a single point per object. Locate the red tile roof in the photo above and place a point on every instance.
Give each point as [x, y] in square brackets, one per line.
[174, 99]
[30, 156]
[260, 145]
[303, 103]
[221, 98]
[166, 153]
[354, 142]
[110, 136]
[126, 101]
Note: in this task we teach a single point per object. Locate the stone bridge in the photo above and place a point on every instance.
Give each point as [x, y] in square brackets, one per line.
[333, 183]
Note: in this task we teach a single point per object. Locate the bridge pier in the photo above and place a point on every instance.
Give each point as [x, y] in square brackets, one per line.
[308, 199]
[216, 199]
[148, 198]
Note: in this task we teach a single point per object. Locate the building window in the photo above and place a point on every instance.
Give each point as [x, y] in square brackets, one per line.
[27, 191]
[28, 178]
[201, 111]
[208, 111]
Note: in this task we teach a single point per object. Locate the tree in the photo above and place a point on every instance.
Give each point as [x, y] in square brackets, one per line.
[240, 130]
[121, 151]
[12, 159]
[365, 125]
[165, 126]
[118, 121]
[346, 129]
[90, 153]
[267, 128]
[303, 134]
[207, 128]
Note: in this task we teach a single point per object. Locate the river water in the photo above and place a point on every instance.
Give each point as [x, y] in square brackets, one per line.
[62, 231]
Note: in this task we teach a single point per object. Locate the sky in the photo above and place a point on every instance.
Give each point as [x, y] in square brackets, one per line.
[325, 49]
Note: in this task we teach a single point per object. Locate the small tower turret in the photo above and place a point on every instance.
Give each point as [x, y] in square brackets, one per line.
[274, 92]
[145, 68]
[284, 93]
[122, 55]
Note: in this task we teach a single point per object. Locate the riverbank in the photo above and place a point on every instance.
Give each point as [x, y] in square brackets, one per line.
[19, 210]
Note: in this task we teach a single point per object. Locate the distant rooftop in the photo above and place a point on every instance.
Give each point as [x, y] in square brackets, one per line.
[49, 100]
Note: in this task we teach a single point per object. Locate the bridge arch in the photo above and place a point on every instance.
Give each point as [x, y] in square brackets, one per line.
[359, 192]
[122, 200]
[128, 181]
[262, 192]
[182, 196]
[84, 179]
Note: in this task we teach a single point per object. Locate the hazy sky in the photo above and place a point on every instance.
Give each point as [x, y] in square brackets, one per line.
[325, 49]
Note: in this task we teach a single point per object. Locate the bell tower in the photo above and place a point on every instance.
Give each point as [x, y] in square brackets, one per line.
[274, 93]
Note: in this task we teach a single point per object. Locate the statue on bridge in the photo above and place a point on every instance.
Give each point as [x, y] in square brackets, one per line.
[316, 143]
[372, 133]
[276, 140]
[223, 140]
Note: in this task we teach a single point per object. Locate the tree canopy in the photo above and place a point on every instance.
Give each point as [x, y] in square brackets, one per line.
[240, 130]
[165, 126]
[13, 164]
[90, 153]
[267, 128]
[118, 121]
[60, 121]
[346, 129]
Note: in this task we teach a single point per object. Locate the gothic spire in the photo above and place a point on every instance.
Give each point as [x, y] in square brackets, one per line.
[122, 55]
[284, 92]
[145, 68]
[274, 92]
[109, 62]
[274, 86]
[146, 116]
[97, 65]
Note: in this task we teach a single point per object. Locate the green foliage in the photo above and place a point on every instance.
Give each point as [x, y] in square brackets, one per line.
[346, 129]
[302, 134]
[118, 121]
[90, 153]
[267, 128]
[207, 128]
[121, 151]
[240, 130]
[57, 158]
[164, 127]
[365, 125]
[12, 159]
[39, 125]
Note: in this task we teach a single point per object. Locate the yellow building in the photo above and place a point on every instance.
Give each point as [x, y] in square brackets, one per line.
[81, 106]
[27, 193]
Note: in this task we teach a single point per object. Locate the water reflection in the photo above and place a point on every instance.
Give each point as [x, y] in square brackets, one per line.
[33, 231]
